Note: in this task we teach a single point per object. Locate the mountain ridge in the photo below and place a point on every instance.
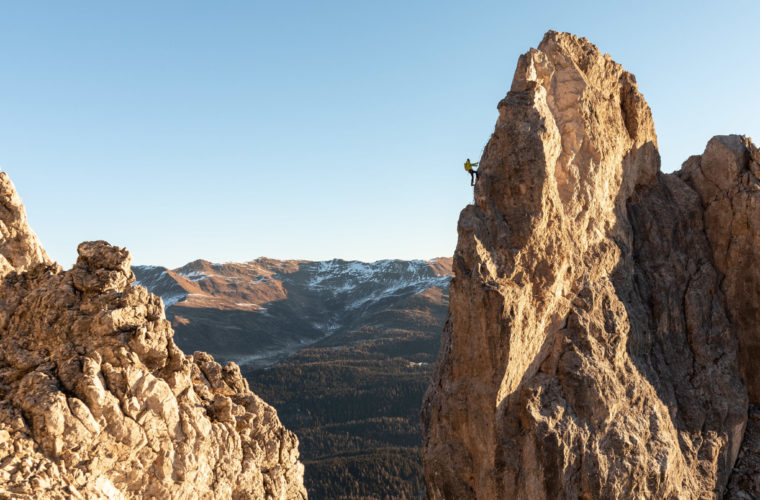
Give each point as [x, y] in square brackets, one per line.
[273, 308]
[349, 389]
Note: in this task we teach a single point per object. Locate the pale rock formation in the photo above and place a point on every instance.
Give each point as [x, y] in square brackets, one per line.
[96, 401]
[591, 344]
[19, 246]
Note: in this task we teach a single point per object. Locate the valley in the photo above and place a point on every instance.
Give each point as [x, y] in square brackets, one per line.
[343, 350]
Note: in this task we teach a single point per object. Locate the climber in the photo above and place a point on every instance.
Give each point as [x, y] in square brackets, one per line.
[473, 173]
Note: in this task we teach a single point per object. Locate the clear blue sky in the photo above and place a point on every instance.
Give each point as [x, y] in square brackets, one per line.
[230, 130]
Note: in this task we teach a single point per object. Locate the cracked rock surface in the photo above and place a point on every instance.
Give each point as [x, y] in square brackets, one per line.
[19, 246]
[727, 178]
[602, 331]
[96, 400]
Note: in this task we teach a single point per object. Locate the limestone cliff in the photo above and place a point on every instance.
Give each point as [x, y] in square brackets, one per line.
[19, 246]
[96, 400]
[598, 306]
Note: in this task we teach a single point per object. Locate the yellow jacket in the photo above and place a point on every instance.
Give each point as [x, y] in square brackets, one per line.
[468, 166]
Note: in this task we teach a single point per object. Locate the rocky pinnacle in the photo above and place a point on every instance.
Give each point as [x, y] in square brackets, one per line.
[601, 336]
[96, 400]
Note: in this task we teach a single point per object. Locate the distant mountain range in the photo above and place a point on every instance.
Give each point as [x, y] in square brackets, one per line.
[257, 312]
[343, 349]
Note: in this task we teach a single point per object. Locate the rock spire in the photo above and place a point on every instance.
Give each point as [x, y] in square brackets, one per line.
[96, 400]
[598, 306]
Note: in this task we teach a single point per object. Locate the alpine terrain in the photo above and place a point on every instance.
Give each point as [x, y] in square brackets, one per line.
[96, 400]
[602, 338]
[260, 311]
[344, 350]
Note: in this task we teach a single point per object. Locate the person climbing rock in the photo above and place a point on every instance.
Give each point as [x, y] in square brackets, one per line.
[473, 173]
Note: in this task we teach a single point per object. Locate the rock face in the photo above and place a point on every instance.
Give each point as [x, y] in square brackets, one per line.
[598, 305]
[19, 246]
[726, 179]
[96, 400]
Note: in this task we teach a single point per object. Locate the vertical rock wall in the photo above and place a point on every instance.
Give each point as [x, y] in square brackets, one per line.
[590, 349]
[19, 246]
[727, 178]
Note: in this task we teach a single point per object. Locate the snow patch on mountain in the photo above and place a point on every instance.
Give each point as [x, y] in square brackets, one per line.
[170, 301]
[194, 275]
[341, 277]
[402, 288]
[151, 280]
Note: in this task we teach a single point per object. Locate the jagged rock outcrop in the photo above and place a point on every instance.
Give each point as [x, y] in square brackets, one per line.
[96, 400]
[19, 247]
[597, 305]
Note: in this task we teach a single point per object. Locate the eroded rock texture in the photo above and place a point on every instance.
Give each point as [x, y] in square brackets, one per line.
[726, 178]
[591, 349]
[96, 401]
[19, 246]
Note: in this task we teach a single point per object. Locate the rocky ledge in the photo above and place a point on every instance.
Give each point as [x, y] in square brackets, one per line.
[96, 400]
